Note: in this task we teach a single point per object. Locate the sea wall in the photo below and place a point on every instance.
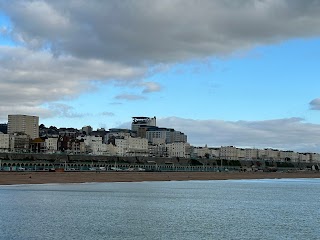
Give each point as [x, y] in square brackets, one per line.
[31, 158]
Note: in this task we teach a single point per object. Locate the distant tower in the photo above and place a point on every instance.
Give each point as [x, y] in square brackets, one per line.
[24, 124]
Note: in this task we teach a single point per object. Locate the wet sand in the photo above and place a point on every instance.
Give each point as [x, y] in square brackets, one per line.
[7, 178]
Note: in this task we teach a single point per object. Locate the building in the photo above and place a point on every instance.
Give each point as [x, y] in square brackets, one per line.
[129, 146]
[19, 142]
[37, 145]
[228, 153]
[168, 135]
[4, 142]
[116, 133]
[87, 130]
[51, 145]
[4, 128]
[24, 124]
[177, 149]
[137, 147]
[141, 122]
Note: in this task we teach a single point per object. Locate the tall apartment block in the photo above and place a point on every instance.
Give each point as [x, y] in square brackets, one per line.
[24, 124]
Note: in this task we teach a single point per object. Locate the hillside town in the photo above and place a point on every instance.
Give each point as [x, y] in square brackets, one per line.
[23, 134]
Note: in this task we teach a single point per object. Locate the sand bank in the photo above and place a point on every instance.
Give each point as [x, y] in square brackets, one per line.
[81, 177]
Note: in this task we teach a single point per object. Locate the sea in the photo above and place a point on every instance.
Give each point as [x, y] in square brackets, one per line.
[226, 209]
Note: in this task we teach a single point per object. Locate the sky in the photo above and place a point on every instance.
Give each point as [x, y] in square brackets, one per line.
[243, 73]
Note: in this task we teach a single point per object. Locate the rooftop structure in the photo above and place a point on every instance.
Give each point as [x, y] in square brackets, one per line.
[138, 122]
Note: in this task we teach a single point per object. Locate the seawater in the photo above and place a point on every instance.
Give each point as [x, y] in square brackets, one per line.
[228, 209]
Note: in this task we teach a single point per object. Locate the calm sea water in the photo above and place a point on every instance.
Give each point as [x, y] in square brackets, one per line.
[230, 209]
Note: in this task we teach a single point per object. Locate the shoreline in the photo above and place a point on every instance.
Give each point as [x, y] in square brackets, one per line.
[12, 178]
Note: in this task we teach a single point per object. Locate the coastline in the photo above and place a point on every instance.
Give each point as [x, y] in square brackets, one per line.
[11, 178]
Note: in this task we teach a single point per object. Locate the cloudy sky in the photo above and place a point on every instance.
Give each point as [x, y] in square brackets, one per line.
[224, 72]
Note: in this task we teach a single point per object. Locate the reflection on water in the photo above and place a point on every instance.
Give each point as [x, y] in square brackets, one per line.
[230, 209]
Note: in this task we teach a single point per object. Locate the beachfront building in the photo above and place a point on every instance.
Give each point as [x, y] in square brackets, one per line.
[304, 157]
[51, 145]
[269, 154]
[241, 154]
[19, 142]
[200, 152]
[251, 154]
[37, 145]
[137, 147]
[111, 150]
[28, 125]
[228, 153]
[77, 146]
[158, 150]
[4, 142]
[94, 145]
[130, 146]
[178, 149]
[214, 152]
[314, 157]
[121, 146]
[288, 156]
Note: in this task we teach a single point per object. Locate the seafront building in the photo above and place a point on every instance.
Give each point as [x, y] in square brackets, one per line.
[144, 139]
[24, 124]
[4, 142]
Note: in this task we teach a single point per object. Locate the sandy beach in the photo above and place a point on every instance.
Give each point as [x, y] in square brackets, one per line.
[7, 178]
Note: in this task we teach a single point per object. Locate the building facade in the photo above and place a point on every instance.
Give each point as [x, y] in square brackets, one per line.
[24, 124]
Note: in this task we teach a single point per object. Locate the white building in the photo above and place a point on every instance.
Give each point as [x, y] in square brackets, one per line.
[121, 146]
[177, 149]
[315, 157]
[304, 157]
[251, 154]
[269, 154]
[241, 154]
[24, 124]
[229, 153]
[214, 152]
[51, 144]
[200, 152]
[94, 145]
[4, 142]
[130, 146]
[288, 156]
[137, 146]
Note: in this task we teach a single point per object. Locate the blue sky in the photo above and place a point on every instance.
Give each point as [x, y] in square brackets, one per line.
[248, 82]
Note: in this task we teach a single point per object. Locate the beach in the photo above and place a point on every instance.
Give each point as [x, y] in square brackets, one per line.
[8, 178]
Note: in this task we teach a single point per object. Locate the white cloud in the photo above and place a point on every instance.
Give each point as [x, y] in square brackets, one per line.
[28, 79]
[150, 87]
[315, 104]
[289, 134]
[139, 32]
[129, 97]
[109, 114]
[62, 46]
